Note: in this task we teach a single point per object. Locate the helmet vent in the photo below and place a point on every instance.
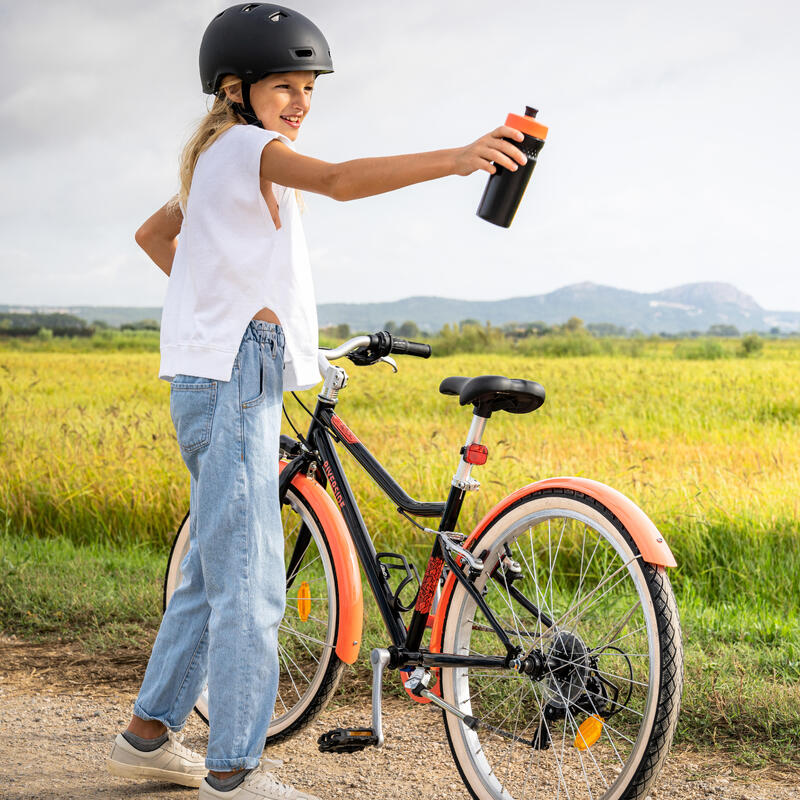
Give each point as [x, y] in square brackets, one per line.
[277, 16]
[252, 7]
[304, 53]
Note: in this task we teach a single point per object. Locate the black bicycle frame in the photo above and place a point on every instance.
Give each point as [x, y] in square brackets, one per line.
[325, 427]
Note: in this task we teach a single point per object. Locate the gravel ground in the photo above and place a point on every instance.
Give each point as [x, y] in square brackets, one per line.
[59, 711]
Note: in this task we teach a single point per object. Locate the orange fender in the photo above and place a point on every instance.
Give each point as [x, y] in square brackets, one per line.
[650, 542]
[345, 560]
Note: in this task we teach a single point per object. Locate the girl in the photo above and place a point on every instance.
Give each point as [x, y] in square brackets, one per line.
[239, 327]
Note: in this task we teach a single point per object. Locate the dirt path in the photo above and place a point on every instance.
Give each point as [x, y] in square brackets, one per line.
[59, 711]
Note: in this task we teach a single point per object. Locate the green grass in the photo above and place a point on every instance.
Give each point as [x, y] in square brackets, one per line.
[101, 595]
[742, 688]
[104, 340]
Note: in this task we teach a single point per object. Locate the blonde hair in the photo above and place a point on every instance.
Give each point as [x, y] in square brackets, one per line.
[221, 117]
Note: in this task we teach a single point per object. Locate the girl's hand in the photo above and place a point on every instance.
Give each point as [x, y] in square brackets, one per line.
[489, 148]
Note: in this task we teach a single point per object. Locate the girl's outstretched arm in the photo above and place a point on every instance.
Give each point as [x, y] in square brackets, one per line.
[158, 236]
[364, 177]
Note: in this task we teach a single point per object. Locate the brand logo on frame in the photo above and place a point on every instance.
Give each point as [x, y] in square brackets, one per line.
[334, 486]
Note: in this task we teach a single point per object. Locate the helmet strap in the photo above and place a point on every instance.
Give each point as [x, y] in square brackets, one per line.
[245, 110]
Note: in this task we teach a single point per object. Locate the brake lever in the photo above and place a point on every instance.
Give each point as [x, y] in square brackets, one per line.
[390, 361]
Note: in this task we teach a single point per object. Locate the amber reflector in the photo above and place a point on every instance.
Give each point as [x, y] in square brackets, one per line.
[589, 732]
[304, 601]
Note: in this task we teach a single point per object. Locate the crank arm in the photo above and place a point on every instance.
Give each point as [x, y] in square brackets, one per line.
[379, 659]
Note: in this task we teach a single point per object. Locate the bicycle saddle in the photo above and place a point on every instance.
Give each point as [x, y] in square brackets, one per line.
[490, 393]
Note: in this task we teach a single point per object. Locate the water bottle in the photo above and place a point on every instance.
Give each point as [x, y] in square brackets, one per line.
[505, 188]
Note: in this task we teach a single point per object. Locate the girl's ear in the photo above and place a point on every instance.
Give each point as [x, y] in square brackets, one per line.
[234, 93]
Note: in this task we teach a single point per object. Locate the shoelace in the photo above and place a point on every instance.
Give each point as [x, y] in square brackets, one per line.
[262, 778]
[176, 739]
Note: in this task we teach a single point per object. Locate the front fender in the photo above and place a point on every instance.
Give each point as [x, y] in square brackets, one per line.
[650, 542]
[348, 576]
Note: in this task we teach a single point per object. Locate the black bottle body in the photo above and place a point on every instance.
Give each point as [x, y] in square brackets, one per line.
[505, 188]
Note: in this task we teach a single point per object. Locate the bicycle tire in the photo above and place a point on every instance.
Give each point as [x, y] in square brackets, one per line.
[294, 709]
[490, 766]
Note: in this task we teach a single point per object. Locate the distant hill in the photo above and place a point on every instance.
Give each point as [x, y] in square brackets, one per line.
[693, 306]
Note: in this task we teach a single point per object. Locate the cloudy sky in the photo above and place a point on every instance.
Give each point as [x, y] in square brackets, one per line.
[671, 157]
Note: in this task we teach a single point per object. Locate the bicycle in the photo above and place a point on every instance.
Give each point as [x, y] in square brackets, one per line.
[554, 646]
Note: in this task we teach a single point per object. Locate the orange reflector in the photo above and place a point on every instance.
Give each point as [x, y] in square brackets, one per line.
[589, 732]
[304, 600]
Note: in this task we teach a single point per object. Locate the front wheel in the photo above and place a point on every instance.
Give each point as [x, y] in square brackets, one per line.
[309, 667]
[593, 713]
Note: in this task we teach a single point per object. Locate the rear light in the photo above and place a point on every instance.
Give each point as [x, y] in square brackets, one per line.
[475, 454]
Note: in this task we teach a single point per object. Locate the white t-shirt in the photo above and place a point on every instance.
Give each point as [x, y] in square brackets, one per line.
[231, 262]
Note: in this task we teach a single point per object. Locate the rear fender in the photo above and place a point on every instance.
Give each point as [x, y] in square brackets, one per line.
[348, 576]
[650, 542]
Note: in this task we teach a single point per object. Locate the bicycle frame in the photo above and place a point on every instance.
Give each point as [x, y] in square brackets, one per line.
[325, 428]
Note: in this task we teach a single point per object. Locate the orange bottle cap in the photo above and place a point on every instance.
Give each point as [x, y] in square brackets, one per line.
[527, 125]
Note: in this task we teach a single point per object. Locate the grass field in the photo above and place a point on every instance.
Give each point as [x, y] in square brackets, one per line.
[92, 488]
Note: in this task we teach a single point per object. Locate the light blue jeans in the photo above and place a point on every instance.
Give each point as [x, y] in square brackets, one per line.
[221, 624]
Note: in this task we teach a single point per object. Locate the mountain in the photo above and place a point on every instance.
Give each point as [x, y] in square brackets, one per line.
[111, 315]
[693, 306]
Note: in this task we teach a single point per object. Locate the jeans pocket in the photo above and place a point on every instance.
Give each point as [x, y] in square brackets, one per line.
[252, 377]
[191, 406]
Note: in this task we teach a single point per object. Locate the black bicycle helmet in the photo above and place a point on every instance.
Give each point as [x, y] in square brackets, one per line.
[253, 40]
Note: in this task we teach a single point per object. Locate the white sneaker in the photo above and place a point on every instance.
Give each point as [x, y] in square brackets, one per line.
[171, 762]
[257, 785]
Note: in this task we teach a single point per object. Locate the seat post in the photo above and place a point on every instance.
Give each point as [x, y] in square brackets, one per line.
[462, 479]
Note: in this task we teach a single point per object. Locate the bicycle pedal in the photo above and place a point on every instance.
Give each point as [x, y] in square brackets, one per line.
[347, 740]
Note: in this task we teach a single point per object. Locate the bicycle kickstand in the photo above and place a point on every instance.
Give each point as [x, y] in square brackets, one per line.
[351, 740]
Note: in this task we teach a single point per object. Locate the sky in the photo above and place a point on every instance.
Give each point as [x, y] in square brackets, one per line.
[671, 156]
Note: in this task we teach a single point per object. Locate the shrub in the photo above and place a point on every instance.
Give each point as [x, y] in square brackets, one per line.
[751, 345]
[557, 345]
[702, 349]
[470, 338]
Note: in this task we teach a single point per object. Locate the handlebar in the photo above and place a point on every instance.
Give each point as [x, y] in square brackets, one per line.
[370, 348]
[345, 348]
[405, 348]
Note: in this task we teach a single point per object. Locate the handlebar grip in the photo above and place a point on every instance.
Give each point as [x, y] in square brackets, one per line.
[406, 348]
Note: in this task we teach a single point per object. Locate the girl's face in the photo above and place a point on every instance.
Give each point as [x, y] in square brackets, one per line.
[281, 101]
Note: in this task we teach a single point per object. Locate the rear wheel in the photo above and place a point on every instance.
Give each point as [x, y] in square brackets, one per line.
[309, 668]
[593, 713]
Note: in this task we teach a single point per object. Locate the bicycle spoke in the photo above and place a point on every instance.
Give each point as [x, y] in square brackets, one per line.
[302, 642]
[603, 578]
[306, 566]
[625, 636]
[300, 635]
[288, 671]
[312, 618]
[621, 677]
[576, 620]
[623, 622]
[553, 559]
